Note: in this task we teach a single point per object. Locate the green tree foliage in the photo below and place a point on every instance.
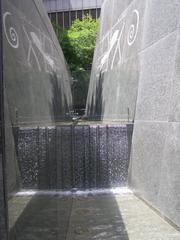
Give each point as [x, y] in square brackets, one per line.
[78, 42]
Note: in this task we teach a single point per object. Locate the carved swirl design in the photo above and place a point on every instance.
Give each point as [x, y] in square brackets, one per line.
[133, 30]
[10, 32]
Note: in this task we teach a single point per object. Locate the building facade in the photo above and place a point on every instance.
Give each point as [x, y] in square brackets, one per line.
[64, 12]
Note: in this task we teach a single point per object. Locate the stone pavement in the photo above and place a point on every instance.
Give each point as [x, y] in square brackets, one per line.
[98, 217]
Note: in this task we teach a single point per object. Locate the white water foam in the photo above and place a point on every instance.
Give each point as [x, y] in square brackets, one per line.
[75, 192]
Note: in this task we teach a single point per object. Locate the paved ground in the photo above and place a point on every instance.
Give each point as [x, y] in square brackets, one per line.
[100, 217]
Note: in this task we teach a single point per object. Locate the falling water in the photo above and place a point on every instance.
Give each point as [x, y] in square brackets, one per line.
[68, 157]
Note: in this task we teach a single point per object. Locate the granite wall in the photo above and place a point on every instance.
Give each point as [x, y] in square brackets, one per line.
[36, 83]
[3, 210]
[136, 75]
[3, 213]
[155, 168]
[116, 66]
[36, 80]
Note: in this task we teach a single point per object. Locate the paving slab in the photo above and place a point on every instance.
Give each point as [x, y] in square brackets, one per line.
[86, 217]
[39, 217]
[122, 217]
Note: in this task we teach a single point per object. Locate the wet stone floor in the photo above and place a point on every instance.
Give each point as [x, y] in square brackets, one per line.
[98, 217]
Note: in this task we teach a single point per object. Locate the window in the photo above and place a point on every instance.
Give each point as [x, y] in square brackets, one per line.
[73, 16]
[66, 20]
[60, 19]
[79, 14]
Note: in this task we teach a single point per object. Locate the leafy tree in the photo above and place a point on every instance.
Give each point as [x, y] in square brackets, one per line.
[78, 44]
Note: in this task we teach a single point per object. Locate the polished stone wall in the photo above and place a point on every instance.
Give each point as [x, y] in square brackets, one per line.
[155, 172]
[36, 80]
[3, 210]
[82, 156]
[36, 87]
[116, 67]
[3, 216]
[136, 76]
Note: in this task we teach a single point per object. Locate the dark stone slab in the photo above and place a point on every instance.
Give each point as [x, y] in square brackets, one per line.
[3, 203]
[92, 156]
[79, 169]
[51, 157]
[42, 157]
[86, 137]
[28, 157]
[82, 156]
[118, 153]
[103, 156]
[36, 78]
[67, 163]
[3, 216]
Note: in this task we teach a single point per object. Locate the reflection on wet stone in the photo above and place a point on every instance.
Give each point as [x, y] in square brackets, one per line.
[44, 217]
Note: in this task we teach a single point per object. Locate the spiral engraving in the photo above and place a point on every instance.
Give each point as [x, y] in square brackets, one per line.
[133, 30]
[10, 33]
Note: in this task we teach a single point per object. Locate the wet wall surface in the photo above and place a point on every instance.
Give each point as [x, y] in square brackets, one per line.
[3, 226]
[3, 217]
[115, 71]
[36, 80]
[136, 67]
[66, 157]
